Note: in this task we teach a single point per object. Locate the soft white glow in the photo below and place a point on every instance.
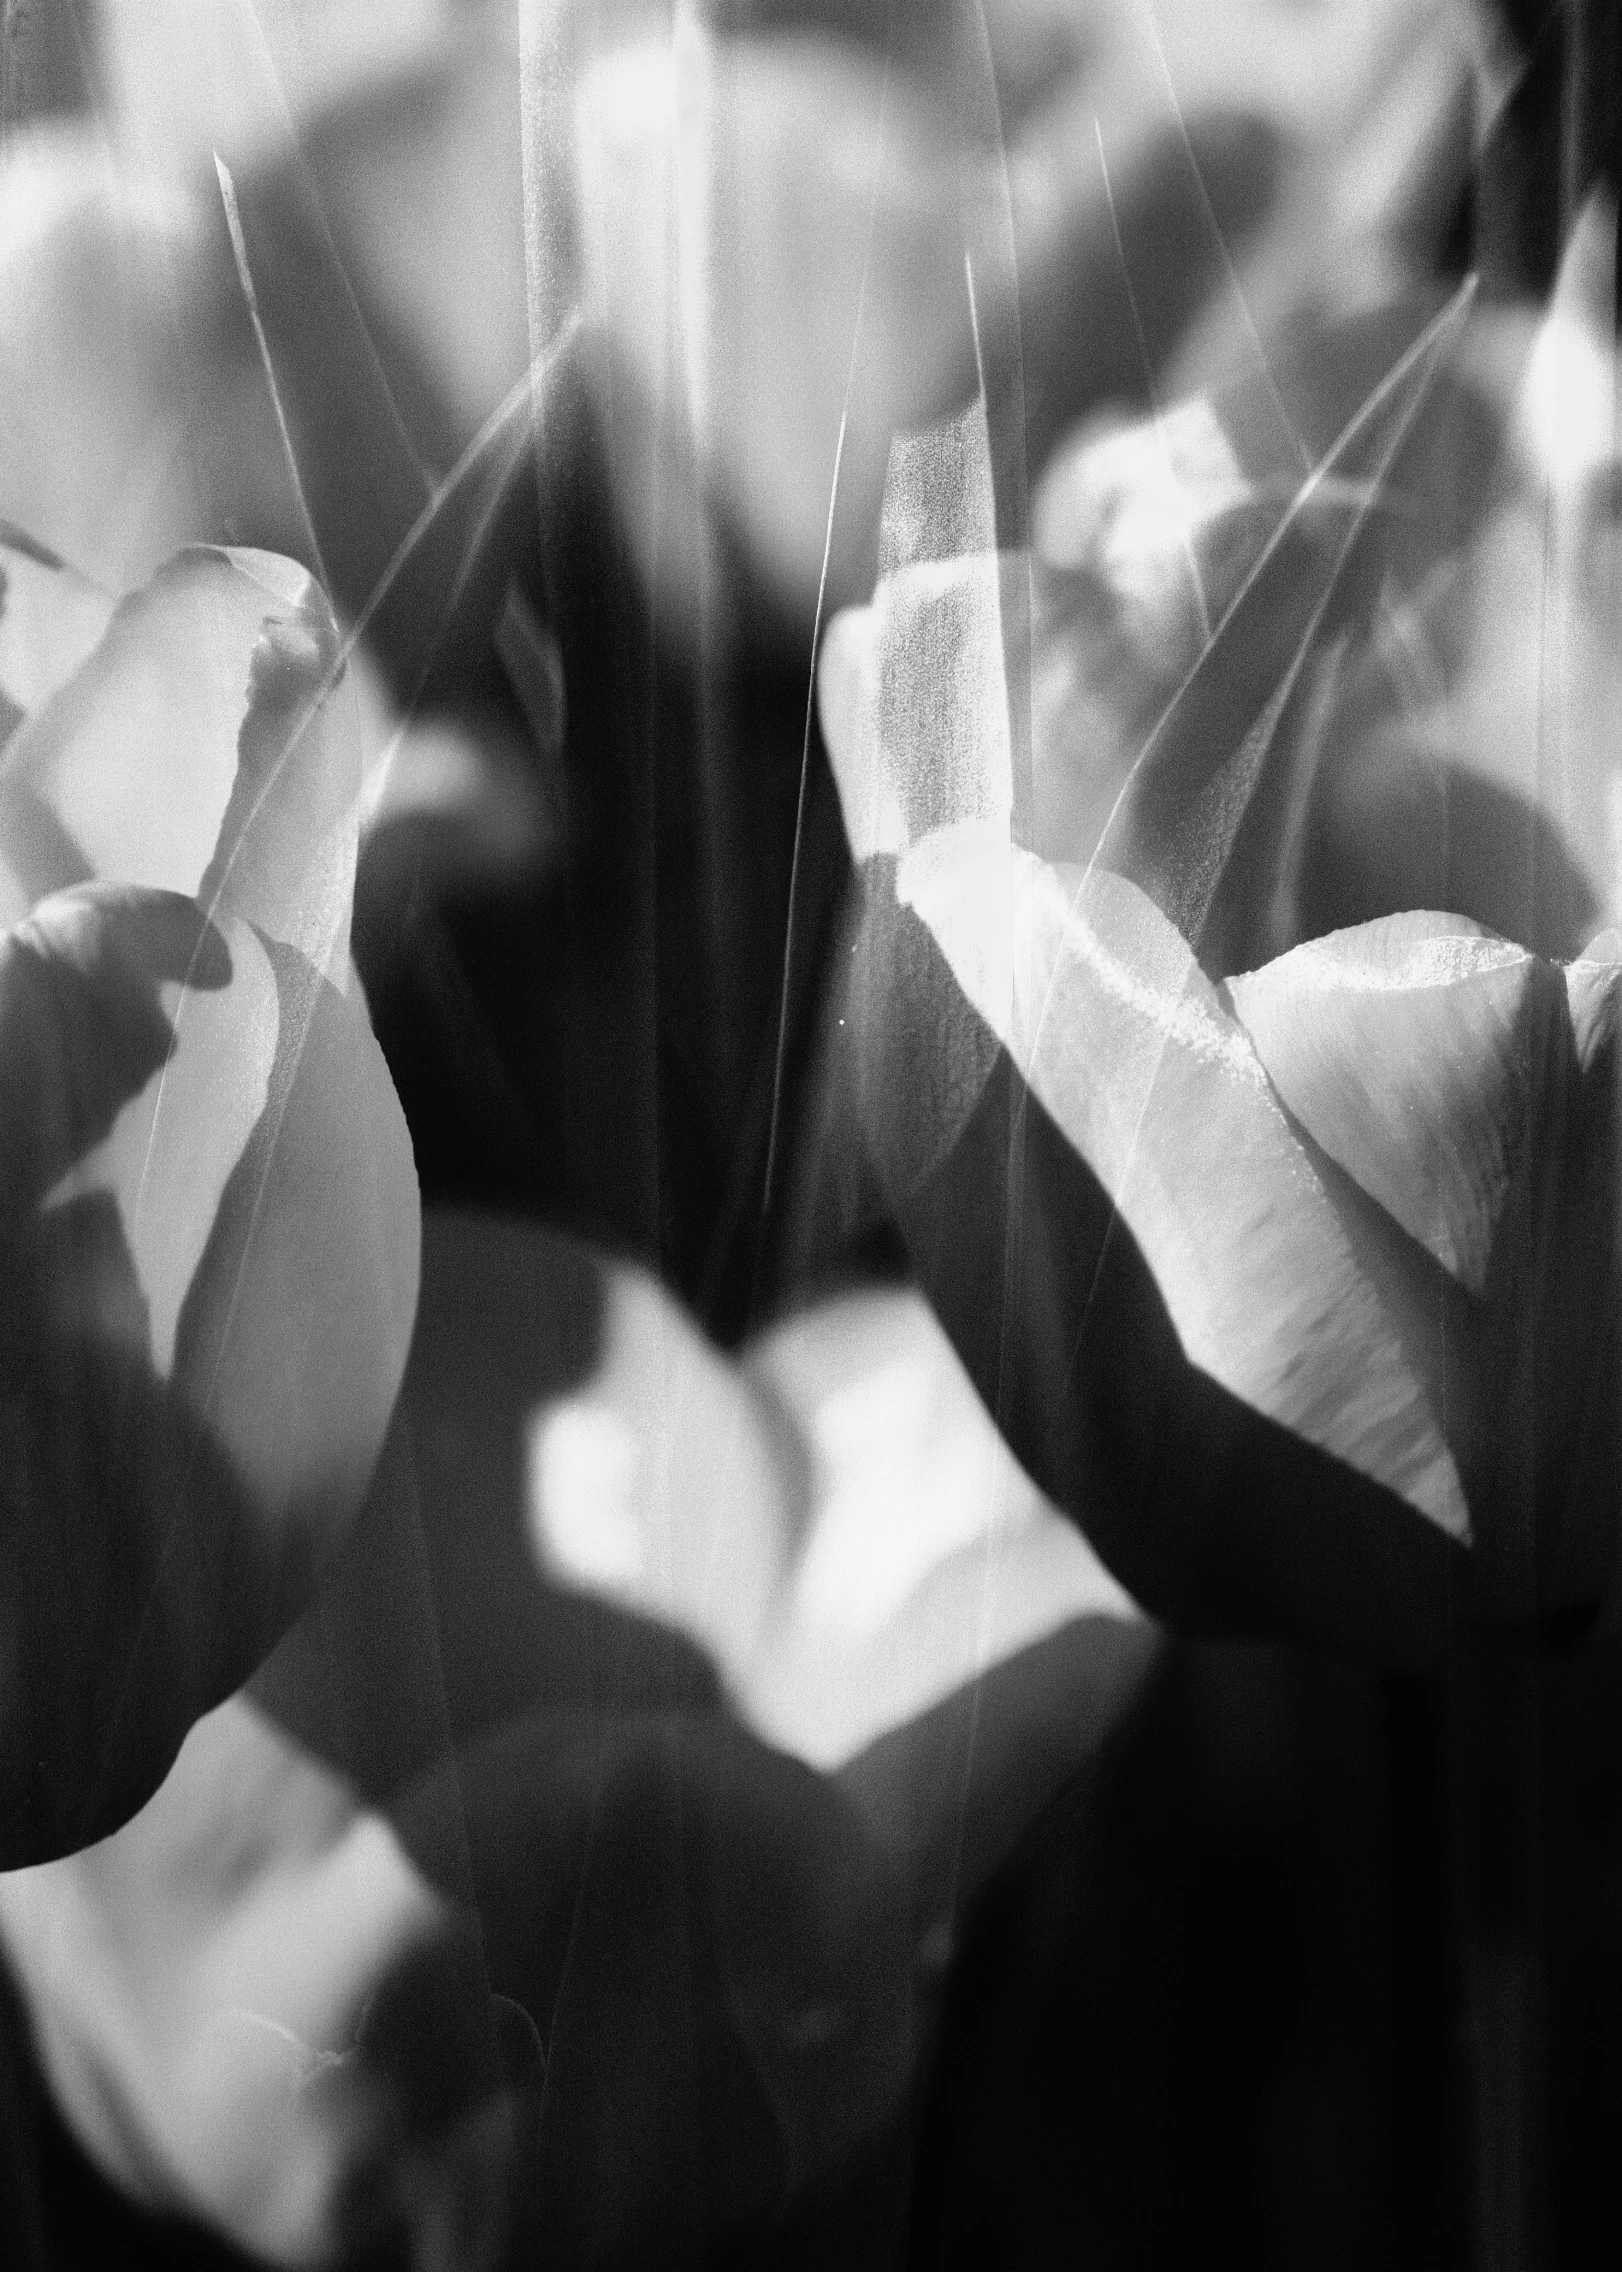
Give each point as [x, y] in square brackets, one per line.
[584, 1473]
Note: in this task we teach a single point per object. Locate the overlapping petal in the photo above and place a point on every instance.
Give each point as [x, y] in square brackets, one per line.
[207, 745]
[210, 1201]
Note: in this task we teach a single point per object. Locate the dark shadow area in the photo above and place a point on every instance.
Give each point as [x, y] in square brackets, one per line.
[949, 1793]
[1168, 2031]
[1394, 827]
[1108, 311]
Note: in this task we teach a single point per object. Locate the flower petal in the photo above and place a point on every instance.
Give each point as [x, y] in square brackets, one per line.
[294, 1335]
[1594, 995]
[209, 1224]
[171, 1151]
[50, 621]
[661, 1483]
[1121, 1038]
[285, 857]
[213, 1972]
[834, 1521]
[206, 747]
[816, 296]
[1205, 820]
[927, 1556]
[103, 455]
[1416, 1052]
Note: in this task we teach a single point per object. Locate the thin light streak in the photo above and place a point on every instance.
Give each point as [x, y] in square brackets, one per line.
[519, 401]
[781, 1053]
[239, 253]
[1441, 329]
[1186, 532]
[1221, 243]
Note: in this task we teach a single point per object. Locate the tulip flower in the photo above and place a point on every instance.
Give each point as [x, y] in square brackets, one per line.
[1212, 1332]
[1290, 1275]
[209, 1202]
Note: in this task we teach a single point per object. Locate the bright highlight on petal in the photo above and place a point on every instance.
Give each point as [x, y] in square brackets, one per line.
[585, 1477]
[169, 1155]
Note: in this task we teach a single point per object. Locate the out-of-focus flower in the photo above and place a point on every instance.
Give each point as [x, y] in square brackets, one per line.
[794, 236]
[861, 1544]
[1431, 602]
[210, 1207]
[1390, 568]
[774, 243]
[298, 1974]
[1471, 755]
[916, 1629]
[208, 1991]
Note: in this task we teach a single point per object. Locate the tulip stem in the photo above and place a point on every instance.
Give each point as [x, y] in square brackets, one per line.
[1500, 2036]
